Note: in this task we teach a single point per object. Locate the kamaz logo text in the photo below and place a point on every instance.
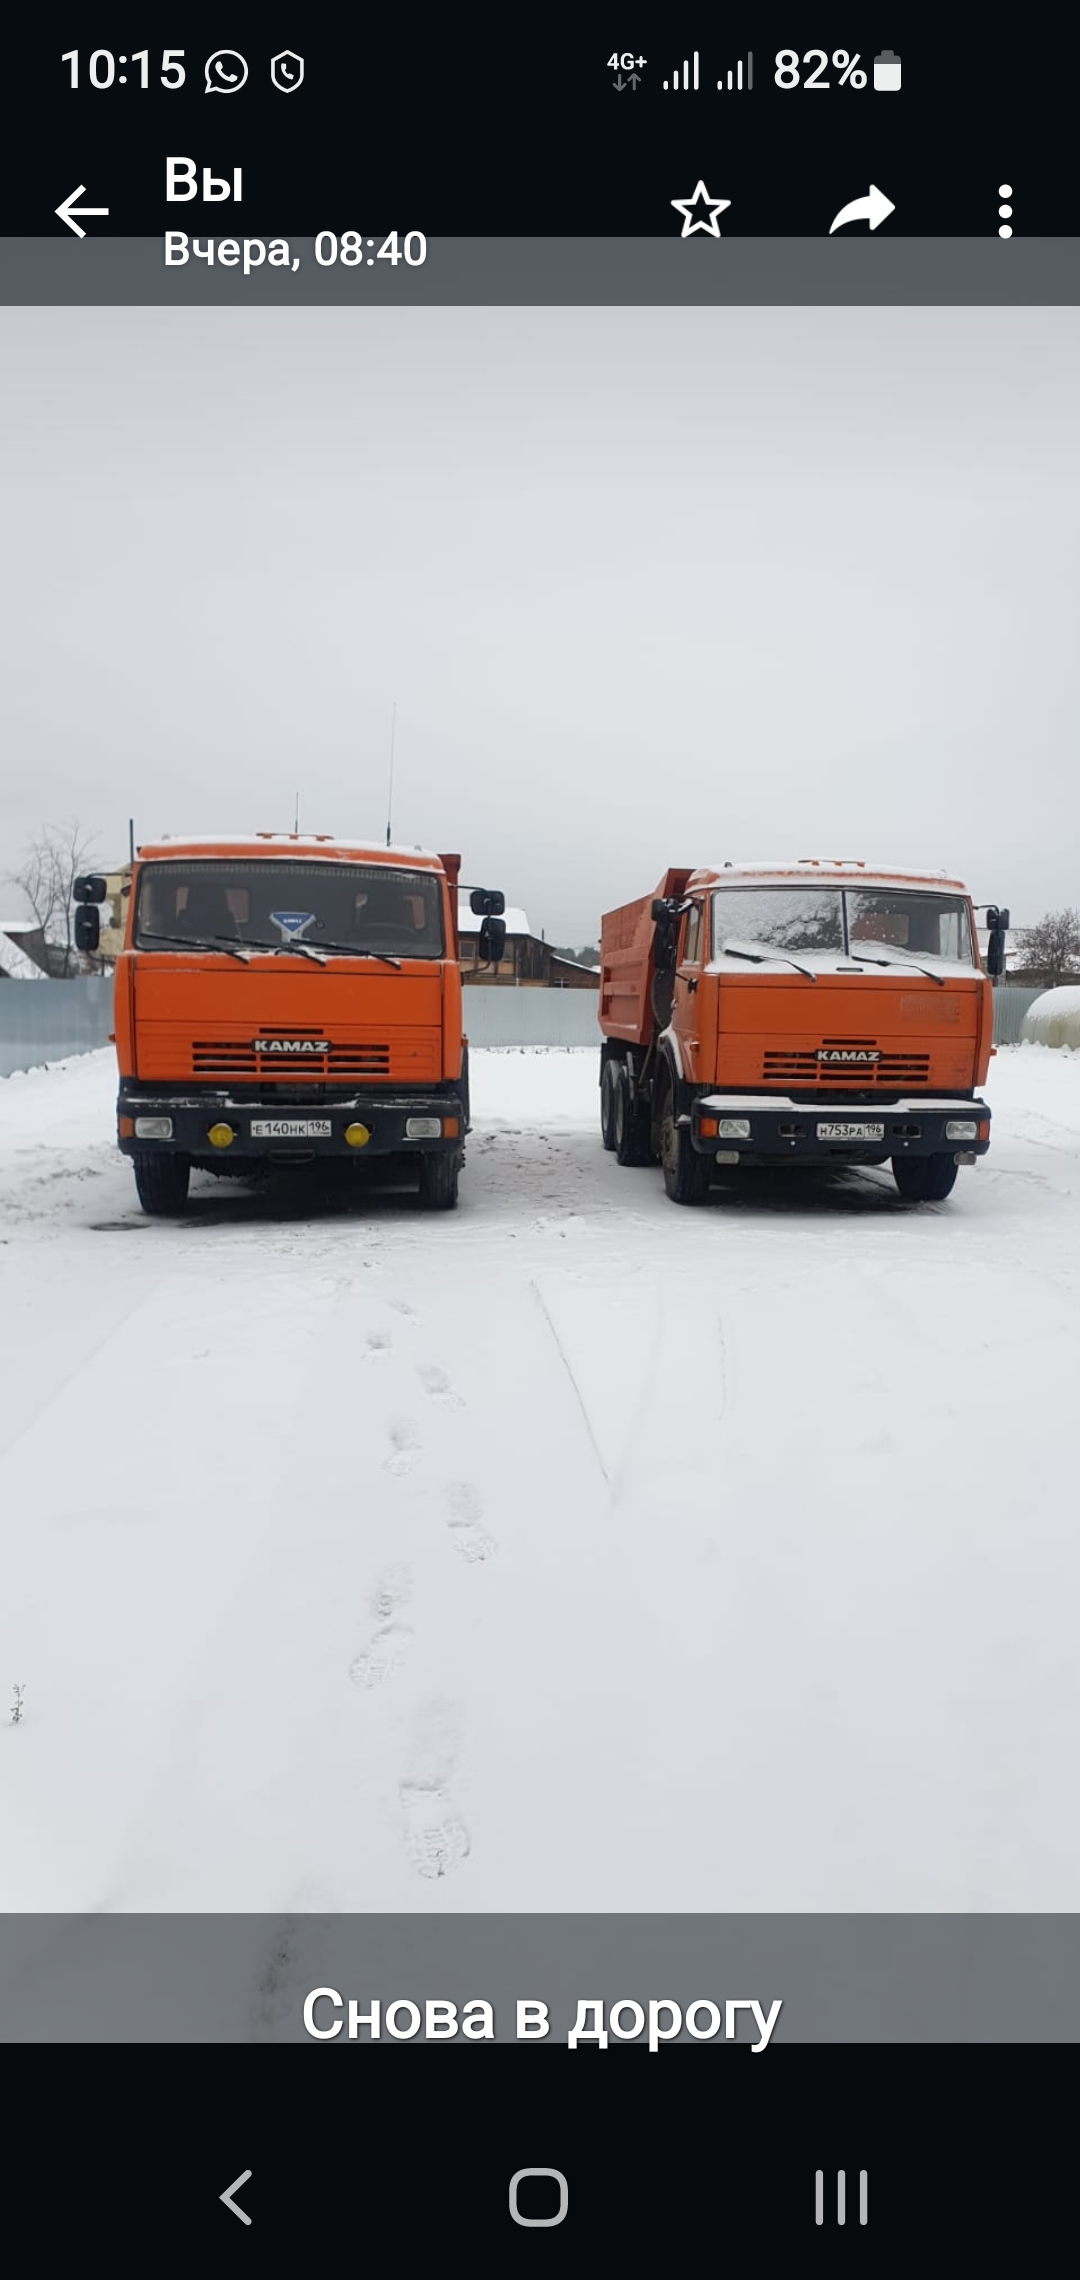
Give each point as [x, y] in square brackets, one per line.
[290, 1044]
[848, 1053]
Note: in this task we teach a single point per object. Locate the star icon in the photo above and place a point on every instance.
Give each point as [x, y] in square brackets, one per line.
[707, 211]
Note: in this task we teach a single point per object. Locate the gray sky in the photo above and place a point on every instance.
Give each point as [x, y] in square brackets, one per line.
[648, 586]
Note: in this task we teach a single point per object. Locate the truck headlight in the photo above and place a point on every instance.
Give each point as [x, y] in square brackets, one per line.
[961, 1128]
[733, 1128]
[423, 1128]
[153, 1128]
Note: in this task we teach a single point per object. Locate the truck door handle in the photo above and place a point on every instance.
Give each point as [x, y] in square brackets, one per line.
[691, 985]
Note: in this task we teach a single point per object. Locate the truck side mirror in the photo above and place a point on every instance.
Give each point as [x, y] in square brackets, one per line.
[995, 955]
[87, 928]
[90, 889]
[1003, 919]
[492, 940]
[487, 902]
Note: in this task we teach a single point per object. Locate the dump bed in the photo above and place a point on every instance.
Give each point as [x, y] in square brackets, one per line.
[627, 963]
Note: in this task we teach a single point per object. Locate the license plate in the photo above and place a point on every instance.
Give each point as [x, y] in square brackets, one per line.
[291, 1128]
[851, 1132]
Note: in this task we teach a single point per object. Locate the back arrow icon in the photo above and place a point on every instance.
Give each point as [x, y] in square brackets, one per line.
[69, 209]
[873, 209]
[227, 2196]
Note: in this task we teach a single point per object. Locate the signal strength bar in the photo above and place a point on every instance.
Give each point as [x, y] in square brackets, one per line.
[685, 83]
[735, 81]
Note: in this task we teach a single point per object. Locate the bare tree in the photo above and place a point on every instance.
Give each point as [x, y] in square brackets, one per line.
[47, 876]
[1051, 950]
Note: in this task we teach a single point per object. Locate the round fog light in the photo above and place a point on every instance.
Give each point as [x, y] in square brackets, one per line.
[358, 1135]
[221, 1135]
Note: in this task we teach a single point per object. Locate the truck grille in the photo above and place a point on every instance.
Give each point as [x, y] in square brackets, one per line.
[895, 1070]
[414, 1056]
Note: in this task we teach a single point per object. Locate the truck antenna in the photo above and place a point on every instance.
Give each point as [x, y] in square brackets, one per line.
[390, 783]
[296, 818]
[131, 839]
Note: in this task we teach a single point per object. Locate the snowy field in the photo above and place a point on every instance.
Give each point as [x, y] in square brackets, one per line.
[572, 1552]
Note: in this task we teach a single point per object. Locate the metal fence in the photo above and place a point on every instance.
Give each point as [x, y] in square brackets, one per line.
[47, 1021]
[512, 1016]
[1010, 1006]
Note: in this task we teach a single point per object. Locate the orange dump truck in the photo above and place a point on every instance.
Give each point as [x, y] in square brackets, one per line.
[287, 999]
[758, 1013]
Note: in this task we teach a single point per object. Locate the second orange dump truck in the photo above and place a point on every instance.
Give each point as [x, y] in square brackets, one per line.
[779, 1013]
[288, 999]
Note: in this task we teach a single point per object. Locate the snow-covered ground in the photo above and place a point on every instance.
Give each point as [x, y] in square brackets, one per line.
[572, 1552]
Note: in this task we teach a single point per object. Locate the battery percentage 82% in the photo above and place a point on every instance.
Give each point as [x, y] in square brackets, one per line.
[789, 72]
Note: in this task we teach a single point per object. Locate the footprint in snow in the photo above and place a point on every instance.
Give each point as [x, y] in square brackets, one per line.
[384, 1654]
[405, 1446]
[376, 1344]
[400, 1306]
[437, 1384]
[464, 1522]
[435, 1836]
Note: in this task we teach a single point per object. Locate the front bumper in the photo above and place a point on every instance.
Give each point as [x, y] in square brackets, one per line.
[785, 1129]
[384, 1117]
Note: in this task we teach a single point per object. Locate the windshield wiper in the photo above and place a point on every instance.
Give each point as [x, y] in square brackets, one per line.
[765, 955]
[193, 942]
[302, 949]
[353, 950]
[915, 968]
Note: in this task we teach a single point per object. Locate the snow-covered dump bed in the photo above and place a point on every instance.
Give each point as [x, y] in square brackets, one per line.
[570, 1552]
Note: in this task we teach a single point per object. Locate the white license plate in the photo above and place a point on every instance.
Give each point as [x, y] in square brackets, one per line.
[851, 1132]
[291, 1128]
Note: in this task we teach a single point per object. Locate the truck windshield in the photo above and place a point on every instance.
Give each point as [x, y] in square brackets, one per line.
[372, 909]
[889, 921]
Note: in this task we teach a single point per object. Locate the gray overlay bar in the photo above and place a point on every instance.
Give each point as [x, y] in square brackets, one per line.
[592, 272]
[243, 1979]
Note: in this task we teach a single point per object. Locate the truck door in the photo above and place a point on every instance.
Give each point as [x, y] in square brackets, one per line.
[687, 999]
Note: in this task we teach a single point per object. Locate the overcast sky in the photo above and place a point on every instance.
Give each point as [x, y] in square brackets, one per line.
[648, 586]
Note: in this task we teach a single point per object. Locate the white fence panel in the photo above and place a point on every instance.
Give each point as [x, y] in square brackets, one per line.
[513, 1016]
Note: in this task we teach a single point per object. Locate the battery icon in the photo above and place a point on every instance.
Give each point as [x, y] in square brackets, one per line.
[887, 73]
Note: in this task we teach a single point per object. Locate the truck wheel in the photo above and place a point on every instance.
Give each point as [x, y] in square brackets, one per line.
[608, 1081]
[630, 1127]
[687, 1176]
[439, 1181]
[162, 1184]
[925, 1179]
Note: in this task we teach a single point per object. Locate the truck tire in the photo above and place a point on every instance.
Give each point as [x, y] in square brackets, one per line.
[162, 1184]
[439, 1181]
[630, 1121]
[687, 1176]
[925, 1179]
[609, 1076]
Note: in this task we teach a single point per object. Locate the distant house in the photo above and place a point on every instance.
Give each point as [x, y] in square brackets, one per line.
[527, 961]
[23, 951]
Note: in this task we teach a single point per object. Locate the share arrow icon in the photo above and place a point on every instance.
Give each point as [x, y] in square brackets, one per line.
[874, 208]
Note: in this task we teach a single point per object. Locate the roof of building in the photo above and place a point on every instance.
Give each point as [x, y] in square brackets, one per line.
[15, 962]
